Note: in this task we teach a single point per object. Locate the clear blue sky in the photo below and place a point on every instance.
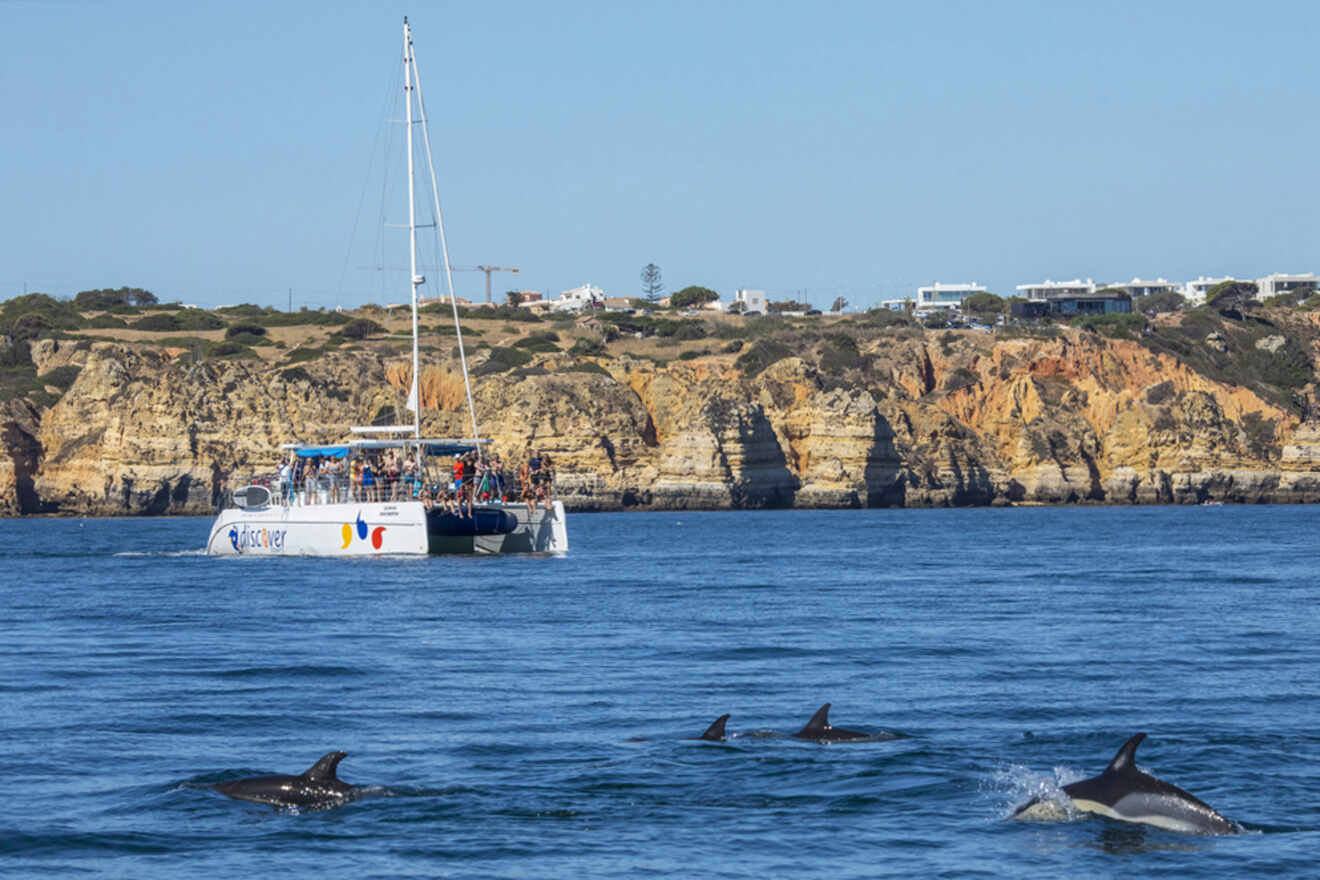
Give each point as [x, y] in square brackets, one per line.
[218, 152]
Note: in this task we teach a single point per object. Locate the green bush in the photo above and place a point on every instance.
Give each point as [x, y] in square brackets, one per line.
[16, 353]
[587, 367]
[105, 322]
[61, 377]
[245, 330]
[303, 354]
[19, 381]
[159, 322]
[249, 339]
[229, 350]
[1290, 298]
[33, 325]
[1160, 392]
[1115, 326]
[689, 297]
[762, 354]
[541, 342]
[587, 348]
[360, 328]
[959, 378]
[106, 298]
[501, 360]
[49, 315]
[195, 320]
[505, 313]
[1159, 303]
[838, 352]
[887, 318]
[984, 305]
[267, 316]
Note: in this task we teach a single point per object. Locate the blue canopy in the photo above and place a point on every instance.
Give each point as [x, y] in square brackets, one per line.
[323, 451]
[448, 449]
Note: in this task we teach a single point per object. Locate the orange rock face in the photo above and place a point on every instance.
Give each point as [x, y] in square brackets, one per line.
[959, 419]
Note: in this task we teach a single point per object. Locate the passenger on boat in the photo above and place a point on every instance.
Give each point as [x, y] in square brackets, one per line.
[299, 471]
[534, 467]
[330, 479]
[524, 480]
[286, 481]
[497, 478]
[409, 478]
[547, 480]
[529, 496]
[311, 483]
[368, 482]
[424, 496]
[355, 479]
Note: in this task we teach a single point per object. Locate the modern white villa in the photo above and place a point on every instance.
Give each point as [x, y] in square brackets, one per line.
[945, 296]
[1048, 289]
[1138, 287]
[1280, 282]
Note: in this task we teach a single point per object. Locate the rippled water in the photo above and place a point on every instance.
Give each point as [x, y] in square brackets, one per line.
[530, 717]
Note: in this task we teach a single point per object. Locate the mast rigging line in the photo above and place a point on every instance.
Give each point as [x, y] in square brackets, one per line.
[444, 248]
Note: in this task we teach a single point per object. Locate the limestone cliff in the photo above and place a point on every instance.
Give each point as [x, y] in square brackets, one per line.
[953, 420]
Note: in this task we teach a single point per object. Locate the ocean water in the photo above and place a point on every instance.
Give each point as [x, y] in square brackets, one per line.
[532, 717]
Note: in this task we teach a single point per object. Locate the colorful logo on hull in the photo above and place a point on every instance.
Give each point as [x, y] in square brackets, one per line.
[246, 538]
[359, 530]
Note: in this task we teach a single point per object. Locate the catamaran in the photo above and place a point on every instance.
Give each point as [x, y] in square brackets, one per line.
[419, 511]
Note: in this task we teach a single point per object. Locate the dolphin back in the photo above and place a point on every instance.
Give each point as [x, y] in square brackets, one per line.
[1125, 793]
[715, 733]
[324, 769]
[1126, 759]
[316, 787]
[820, 730]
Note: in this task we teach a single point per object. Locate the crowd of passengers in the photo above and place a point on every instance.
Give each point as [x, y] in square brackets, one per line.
[368, 477]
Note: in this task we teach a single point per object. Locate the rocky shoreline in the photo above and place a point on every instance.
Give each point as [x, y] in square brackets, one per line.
[932, 420]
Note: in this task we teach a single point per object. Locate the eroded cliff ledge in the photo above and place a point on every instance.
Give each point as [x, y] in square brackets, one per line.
[906, 419]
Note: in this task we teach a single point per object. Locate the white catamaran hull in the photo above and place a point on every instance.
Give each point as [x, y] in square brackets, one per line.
[379, 528]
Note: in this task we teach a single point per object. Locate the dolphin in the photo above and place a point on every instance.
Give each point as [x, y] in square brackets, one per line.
[1124, 793]
[715, 733]
[318, 787]
[819, 730]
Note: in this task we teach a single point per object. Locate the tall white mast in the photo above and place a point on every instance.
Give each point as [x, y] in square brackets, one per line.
[444, 250]
[414, 397]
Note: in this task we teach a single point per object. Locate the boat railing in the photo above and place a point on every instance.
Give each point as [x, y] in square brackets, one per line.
[339, 489]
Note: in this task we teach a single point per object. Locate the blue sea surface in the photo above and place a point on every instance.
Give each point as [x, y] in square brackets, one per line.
[533, 717]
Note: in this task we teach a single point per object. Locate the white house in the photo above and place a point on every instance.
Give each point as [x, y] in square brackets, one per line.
[1047, 288]
[945, 296]
[1138, 287]
[751, 300]
[577, 299]
[1280, 282]
[1195, 291]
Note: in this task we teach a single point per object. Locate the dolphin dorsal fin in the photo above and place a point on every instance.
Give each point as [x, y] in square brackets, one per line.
[1126, 759]
[715, 732]
[818, 722]
[325, 768]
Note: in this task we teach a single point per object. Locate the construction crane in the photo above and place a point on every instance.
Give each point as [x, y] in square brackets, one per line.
[487, 270]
